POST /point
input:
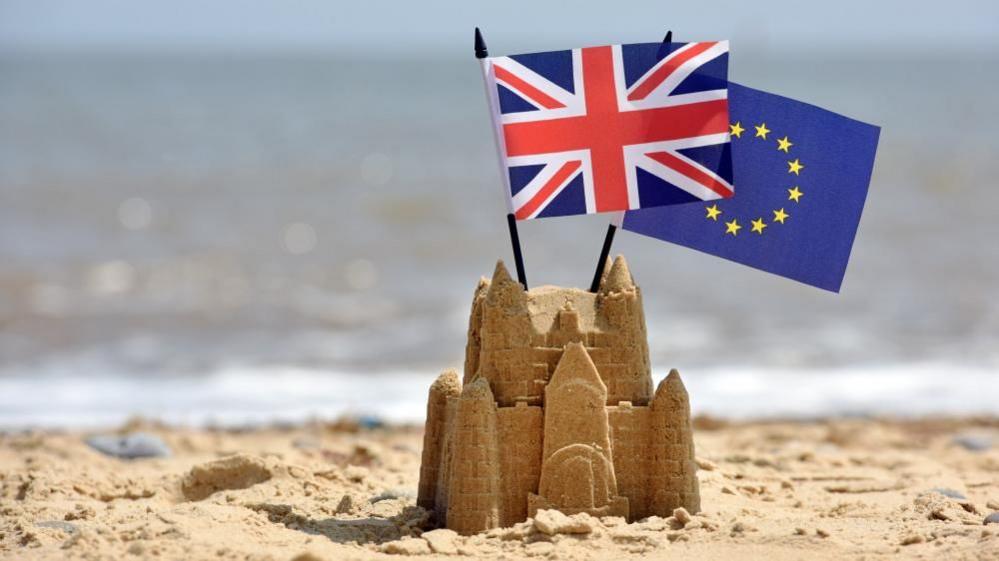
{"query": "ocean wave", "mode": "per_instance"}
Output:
(254, 395)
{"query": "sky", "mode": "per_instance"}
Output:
(383, 27)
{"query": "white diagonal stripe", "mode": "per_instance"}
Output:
(537, 80)
(660, 97)
(637, 157)
(575, 103)
(553, 163)
(684, 70)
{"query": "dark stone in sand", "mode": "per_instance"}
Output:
(973, 442)
(130, 446)
(949, 493)
(992, 519)
(59, 525)
(370, 422)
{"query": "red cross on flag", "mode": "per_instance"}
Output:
(612, 128)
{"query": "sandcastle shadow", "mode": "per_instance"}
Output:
(369, 530)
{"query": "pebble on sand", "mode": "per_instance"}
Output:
(949, 493)
(397, 493)
(67, 527)
(442, 541)
(370, 422)
(346, 504)
(130, 446)
(682, 516)
(991, 519)
(973, 442)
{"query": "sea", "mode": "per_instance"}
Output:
(243, 238)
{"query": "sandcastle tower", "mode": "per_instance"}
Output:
(556, 410)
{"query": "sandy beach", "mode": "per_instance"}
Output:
(836, 489)
(224, 226)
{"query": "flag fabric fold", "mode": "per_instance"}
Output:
(802, 174)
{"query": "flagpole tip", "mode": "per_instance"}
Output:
(481, 51)
(664, 47)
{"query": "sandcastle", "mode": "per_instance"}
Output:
(556, 411)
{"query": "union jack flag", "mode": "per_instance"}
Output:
(612, 128)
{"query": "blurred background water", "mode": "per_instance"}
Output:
(215, 233)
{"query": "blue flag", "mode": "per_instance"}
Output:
(800, 174)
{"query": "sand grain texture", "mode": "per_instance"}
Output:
(234, 472)
(774, 491)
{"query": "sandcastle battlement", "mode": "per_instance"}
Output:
(556, 410)
(516, 337)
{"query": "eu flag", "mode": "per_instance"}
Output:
(800, 174)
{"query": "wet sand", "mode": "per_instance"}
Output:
(838, 489)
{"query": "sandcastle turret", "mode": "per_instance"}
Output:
(474, 494)
(574, 405)
(446, 386)
(474, 343)
(620, 304)
(672, 475)
(618, 279)
(577, 473)
(556, 412)
(506, 292)
(505, 332)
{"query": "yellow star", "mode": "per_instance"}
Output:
(784, 144)
(732, 227)
(713, 212)
(781, 216)
(758, 225)
(736, 129)
(761, 131)
(795, 167)
(794, 194)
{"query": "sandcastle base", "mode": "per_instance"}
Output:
(617, 507)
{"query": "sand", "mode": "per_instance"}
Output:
(847, 489)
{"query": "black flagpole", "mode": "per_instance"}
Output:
(664, 48)
(604, 252)
(612, 228)
(481, 52)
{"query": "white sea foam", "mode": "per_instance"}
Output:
(235, 396)
(898, 390)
